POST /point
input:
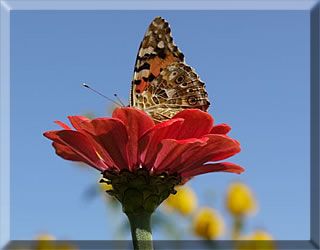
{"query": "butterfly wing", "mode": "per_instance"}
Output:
(162, 83)
(176, 88)
(157, 51)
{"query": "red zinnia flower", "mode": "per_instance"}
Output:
(130, 140)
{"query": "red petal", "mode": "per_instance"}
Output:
(81, 123)
(111, 134)
(217, 167)
(172, 152)
(222, 129)
(218, 147)
(196, 123)
(80, 144)
(150, 142)
(52, 135)
(62, 125)
(222, 147)
(137, 123)
(67, 153)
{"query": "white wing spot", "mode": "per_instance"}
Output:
(160, 44)
(148, 50)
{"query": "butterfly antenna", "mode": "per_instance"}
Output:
(116, 96)
(97, 92)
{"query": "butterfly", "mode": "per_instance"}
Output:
(163, 84)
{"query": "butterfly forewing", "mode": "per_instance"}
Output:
(157, 50)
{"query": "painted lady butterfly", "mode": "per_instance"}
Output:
(162, 83)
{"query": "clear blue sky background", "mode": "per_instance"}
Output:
(256, 69)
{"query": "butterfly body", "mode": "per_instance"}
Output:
(163, 84)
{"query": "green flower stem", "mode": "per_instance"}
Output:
(237, 227)
(141, 230)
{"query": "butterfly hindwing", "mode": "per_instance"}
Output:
(176, 88)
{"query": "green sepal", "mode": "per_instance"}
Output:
(138, 191)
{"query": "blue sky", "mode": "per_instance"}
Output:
(256, 69)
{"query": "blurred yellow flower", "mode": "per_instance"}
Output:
(47, 242)
(184, 201)
(208, 224)
(258, 240)
(105, 186)
(240, 200)
(260, 235)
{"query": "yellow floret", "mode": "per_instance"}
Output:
(184, 201)
(240, 200)
(208, 224)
